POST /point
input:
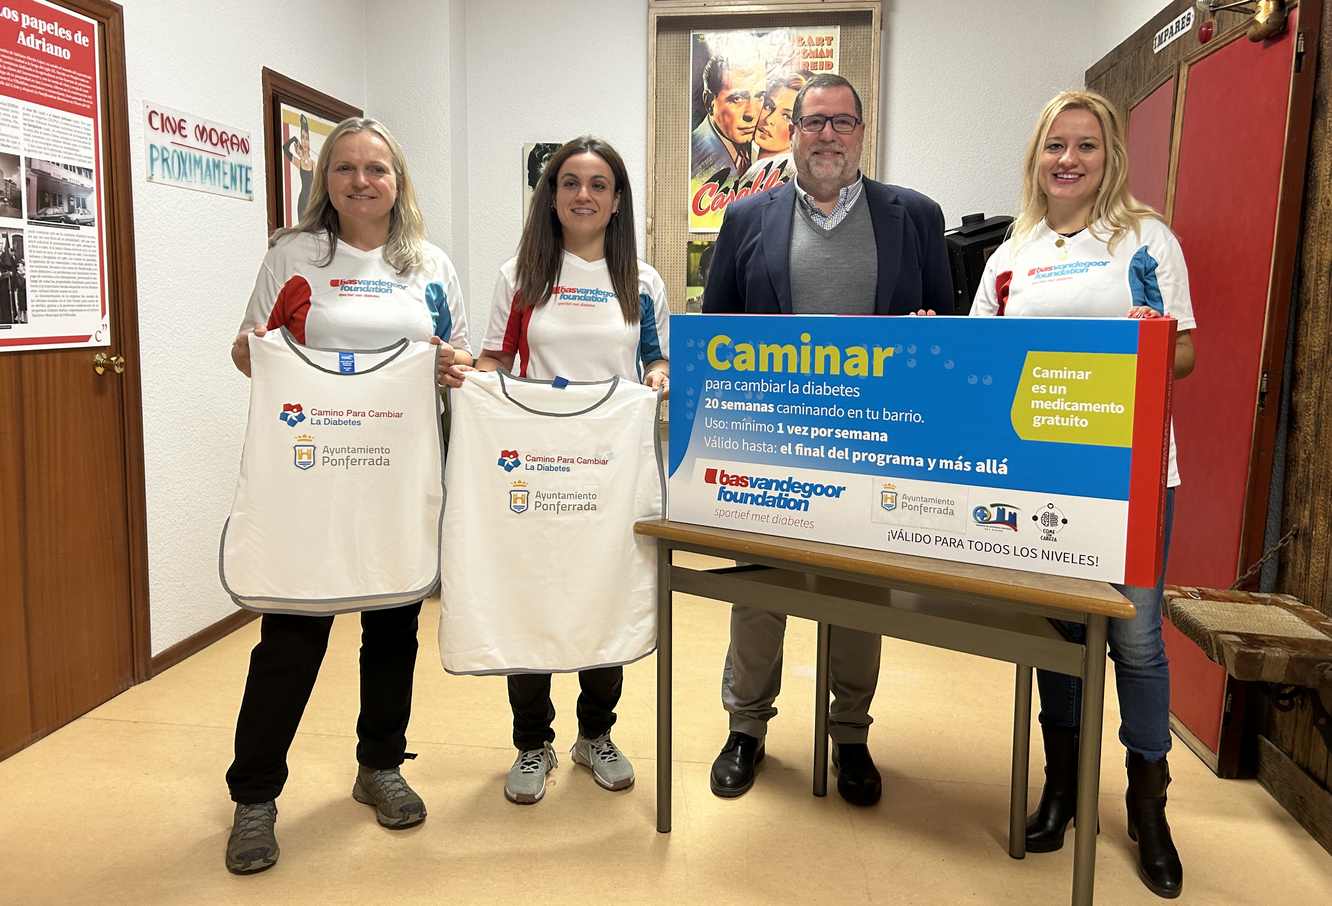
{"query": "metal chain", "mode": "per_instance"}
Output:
(1268, 555)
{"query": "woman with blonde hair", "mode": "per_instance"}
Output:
(1083, 246)
(356, 272)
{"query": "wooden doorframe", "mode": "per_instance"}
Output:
(1281, 285)
(122, 289)
(1285, 243)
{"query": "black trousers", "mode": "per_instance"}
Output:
(534, 712)
(283, 667)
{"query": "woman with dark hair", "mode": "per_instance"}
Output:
(772, 135)
(576, 303)
(297, 151)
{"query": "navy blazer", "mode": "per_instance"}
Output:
(751, 269)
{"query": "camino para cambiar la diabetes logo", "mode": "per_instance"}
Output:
(292, 414)
(508, 461)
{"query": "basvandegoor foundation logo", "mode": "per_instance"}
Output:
(788, 493)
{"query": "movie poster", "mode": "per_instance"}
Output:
(303, 134)
(742, 86)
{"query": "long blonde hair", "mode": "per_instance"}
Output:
(404, 248)
(1114, 207)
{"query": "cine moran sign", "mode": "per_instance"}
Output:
(1026, 443)
(185, 150)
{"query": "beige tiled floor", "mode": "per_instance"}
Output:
(127, 805)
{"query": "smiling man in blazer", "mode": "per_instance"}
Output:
(830, 242)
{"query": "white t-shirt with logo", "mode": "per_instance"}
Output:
(579, 333)
(357, 300)
(1046, 275)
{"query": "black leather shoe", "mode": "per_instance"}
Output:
(1059, 795)
(733, 769)
(1158, 860)
(858, 780)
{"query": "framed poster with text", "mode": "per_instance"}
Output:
(1026, 443)
(743, 84)
(52, 254)
(297, 118)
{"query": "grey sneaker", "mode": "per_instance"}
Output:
(526, 782)
(252, 845)
(610, 768)
(396, 804)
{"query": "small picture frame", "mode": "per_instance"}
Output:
(297, 118)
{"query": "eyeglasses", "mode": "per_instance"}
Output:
(842, 122)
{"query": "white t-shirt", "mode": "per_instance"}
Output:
(579, 333)
(357, 300)
(1047, 275)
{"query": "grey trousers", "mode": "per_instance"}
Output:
(752, 676)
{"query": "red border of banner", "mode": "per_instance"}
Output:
(1151, 451)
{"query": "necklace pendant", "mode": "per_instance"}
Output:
(1059, 243)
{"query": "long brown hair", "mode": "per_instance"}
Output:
(404, 248)
(541, 250)
(1115, 207)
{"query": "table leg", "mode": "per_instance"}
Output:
(1017, 806)
(663, 689)
(821, 712)
(1089, 761)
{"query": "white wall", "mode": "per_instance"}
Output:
(963, 83)
(409, 78)
(197, 258)
(1116, 20)
(543, 70)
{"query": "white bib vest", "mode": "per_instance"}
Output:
(542, 571)
(339, 501)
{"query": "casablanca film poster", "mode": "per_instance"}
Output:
(52, 254)
(303, 135)
(742, 86)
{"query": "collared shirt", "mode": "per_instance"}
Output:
(847, 197)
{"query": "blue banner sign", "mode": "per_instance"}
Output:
(1036, 444)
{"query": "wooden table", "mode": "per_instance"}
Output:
(997, 613)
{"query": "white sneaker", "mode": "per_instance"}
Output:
(610, 768)
(526, 782)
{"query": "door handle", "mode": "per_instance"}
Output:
(102, 361)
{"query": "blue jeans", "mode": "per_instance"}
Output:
(1142, 672)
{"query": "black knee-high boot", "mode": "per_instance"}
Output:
(1059, 797)
(1158, 860)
